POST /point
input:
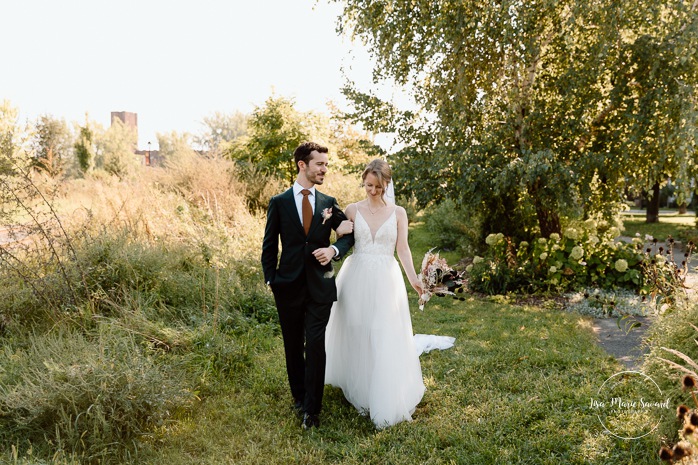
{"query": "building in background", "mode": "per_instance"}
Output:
(126, 117)
(145, 157)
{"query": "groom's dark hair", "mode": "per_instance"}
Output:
(302, 153)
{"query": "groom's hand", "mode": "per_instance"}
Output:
(324, 255)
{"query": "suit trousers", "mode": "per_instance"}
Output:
(303, 323)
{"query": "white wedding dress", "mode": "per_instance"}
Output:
(371, 353)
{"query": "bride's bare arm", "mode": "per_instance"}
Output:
(403, 250)
(347, 226)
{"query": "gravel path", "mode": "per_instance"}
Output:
(627, 346)
(623, 344)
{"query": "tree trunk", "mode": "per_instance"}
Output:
(683, 208)
(548, 220)
(653, 205)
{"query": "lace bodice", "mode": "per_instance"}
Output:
(384, 241)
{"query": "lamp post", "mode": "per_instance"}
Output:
(147, 157)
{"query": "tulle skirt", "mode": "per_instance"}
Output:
(371, 353)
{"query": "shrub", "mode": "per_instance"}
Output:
(491, 277)
(581, 257)
(688, 235)
(447, 224)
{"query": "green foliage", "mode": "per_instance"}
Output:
(411, 207)
(275, 130)
(172, 278)
(150, 360)
(665, 228)
(115, 149)
(451, 227)
(111, 331)
(84, 149)
(220, 130)
(556, 106)
(175, 149)
(664, 274)
(582, 257)
(675, 330)
(216, 359)
(354, 148)
(514, 389)
(10, 138)
(51, 144)
(259, 187)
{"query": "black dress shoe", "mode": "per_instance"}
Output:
(310, 421)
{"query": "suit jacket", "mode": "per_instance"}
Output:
(297, 261)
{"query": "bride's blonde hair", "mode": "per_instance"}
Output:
(380, 169)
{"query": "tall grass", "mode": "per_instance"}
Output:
(170, 294)
(85, 392)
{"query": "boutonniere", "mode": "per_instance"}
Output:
(326, 214)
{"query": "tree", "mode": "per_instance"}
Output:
(9, 135)
(51, 144)
(532, 111)
(354, 147)
(661, 70)
(116, 149)
(275, 130)
(220, 130)
(84, 148)
(175, 148)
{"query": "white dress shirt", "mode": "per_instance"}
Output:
(298, 197)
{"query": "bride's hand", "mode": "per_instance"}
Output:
(417, 286)
(345, 227)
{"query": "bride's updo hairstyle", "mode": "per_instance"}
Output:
(380, 169)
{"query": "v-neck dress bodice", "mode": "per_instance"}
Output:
(380, 242)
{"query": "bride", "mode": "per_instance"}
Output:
(371, 352)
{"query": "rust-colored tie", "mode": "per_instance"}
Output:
(307, 211)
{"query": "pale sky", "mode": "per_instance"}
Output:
(173, 62)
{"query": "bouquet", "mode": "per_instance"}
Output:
(437, 278)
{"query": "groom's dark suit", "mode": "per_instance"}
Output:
(304, 290)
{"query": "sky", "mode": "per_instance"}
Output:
(172, 62)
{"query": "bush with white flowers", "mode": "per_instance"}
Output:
(582, 257)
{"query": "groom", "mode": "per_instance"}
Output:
(303, 282)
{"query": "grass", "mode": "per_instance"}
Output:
(515, 388)
(675, 226)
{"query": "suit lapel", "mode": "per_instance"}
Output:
(289, 204)
(321, 202)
